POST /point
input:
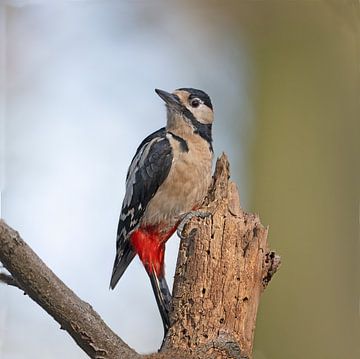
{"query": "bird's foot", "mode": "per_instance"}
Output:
(185, 218)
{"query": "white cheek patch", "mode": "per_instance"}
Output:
(203, 114)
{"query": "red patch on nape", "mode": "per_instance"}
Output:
(149, 244)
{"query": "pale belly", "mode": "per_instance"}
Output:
(184, 189)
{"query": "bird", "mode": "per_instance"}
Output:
(167, 179)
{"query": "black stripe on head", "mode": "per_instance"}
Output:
(202, 129)
(203, 96)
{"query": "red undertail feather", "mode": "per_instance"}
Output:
(149, 244)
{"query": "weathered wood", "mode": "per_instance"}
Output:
(224, 263)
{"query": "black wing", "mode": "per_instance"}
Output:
(148, 170)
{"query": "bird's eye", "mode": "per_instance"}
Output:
(195, 102)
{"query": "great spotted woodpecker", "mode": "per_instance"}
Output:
(168, 177)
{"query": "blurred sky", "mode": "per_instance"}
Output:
(77, 97)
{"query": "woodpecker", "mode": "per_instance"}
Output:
(168, 177)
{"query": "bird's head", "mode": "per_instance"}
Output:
(187, 104)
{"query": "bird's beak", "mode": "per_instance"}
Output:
(169, 98)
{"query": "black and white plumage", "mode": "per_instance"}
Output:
(168, 177)
(148, 170)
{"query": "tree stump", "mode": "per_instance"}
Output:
(224, 264)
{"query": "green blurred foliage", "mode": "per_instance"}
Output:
(305, 172)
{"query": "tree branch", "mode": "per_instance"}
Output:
(224, 264)
(9, 280)
(74, 315)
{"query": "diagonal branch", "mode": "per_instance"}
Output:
(74, 315)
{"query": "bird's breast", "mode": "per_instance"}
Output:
(186, 185)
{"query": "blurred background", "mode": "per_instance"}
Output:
(77, 83)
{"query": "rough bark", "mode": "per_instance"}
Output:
(224, 263)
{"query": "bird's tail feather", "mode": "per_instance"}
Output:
(122, 260)
(163, 297)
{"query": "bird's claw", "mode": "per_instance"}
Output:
(185, 218)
